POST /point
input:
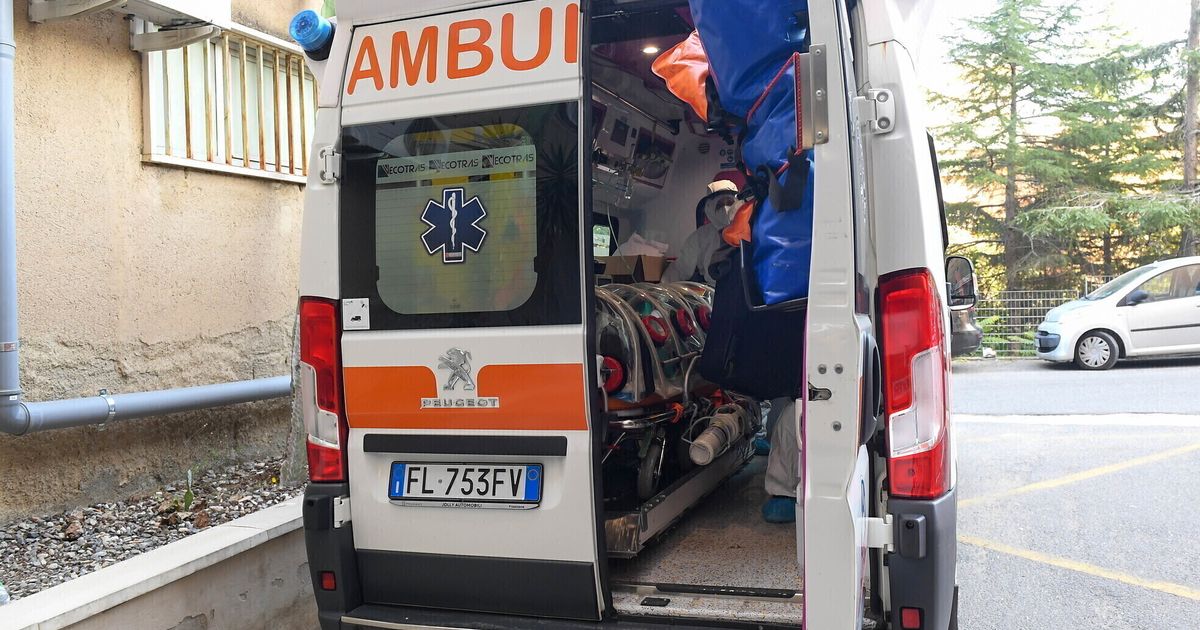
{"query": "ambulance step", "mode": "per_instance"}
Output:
(650, 601)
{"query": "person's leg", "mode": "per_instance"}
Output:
(762, 445)
(783, 466)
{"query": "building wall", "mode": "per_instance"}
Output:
(134, 276)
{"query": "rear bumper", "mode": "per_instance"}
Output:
(330, 549)
(922, 570)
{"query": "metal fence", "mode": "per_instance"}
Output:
(1009, 319)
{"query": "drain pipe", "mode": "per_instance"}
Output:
(19, 417)
(10, 379)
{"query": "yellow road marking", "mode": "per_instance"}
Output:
(1083, 567)
(1084, 475)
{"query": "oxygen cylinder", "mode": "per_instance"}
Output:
(724, 429)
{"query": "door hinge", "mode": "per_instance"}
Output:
(331, 165)
(341, 511)
(877, 110)
(880, 534)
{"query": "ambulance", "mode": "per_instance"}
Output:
(507, 427)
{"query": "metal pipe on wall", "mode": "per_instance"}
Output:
(77, 412)
(10, 379)
(18, 417)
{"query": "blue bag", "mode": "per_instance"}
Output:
(756, 73)
(781, 236)
(746, 42)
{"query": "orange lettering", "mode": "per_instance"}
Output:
(426, 51)
(454, 69)
(507, 36)
(571, 54)
(366, 52)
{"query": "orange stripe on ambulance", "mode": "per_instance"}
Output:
(470, 49)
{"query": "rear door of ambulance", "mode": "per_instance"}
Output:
(462, 305)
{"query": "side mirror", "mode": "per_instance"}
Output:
(1137, 297)
(960, 283)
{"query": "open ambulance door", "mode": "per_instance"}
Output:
(465, 286)
(841, 360)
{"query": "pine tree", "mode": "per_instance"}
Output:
(1110, 210)
(1013, 61)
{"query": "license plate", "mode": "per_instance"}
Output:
(511, 486)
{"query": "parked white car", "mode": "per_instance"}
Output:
(1152, 310)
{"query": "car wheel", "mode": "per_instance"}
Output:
(1096, 350)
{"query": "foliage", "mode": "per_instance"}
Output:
(1071, 159)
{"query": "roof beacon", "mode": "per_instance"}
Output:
(314, 34)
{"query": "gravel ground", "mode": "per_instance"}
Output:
(38, 553)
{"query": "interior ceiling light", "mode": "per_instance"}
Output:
(650, 50)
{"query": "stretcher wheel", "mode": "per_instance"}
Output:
(704, 314)
(650, 471)
(657, 329)
(613, 374)
(684, 323)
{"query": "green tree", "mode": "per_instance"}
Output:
(1012, 59)
(1113, 208)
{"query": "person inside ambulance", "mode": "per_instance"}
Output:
(700, 249)
(783, 463)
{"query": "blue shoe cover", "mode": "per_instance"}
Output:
(761, 446)
(779, 510)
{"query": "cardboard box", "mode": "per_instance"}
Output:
(634, 268)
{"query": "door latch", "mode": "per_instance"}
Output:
(877, 110)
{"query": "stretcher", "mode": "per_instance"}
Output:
(671, 437)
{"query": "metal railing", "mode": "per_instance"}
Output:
(234, 102)
(1009, 319)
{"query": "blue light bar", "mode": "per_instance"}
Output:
(311, 31)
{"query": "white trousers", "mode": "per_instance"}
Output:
(783, 462)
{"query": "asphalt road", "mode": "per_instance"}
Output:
(1078, 523)
(1042, 388)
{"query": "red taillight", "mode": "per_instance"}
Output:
(328, 581)
(321, 389)
(910, 618)
(915, 392)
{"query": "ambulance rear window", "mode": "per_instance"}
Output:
(463, 220)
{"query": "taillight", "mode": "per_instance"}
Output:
(915, 389)
(320, 389)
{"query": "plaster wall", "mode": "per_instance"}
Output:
(136, 276)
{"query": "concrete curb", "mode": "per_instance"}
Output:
(94, 593)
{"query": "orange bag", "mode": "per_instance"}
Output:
(738, 229)
(685, 69)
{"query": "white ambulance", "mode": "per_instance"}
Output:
(472, 161)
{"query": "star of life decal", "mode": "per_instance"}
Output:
(453, 225)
